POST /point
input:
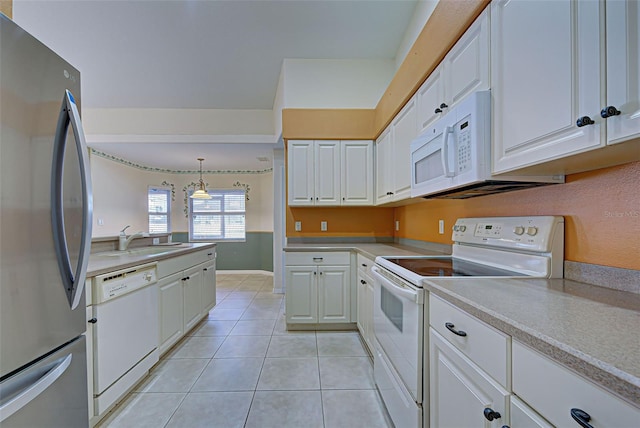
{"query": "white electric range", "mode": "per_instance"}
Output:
(493, 247)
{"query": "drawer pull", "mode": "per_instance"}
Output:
(318, 259)
(93, 320)
(581, 417)
(451, 328)
(491, 414)
(209, 254)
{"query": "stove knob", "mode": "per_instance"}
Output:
(532, 230)
(456, 228)
(518, 230)
(463, 228)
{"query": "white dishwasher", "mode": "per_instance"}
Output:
(125, 318)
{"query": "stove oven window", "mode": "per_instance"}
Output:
(392, 308)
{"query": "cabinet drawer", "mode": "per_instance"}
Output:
(317, 258)
(365, 264)
(484, 345)
(553, 390)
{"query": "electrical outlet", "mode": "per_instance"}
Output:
(156, 241)
(323, 226)
(441, 227)
(298, 226)
(397, 225)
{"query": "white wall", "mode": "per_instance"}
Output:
(319, 83)
(423, 11)
(177, 121)
(120, 197)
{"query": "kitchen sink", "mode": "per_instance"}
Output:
(143, 251)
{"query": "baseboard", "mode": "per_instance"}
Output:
(244, 272)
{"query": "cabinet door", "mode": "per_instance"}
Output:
(429, 98)
(357, 172)
(327, 173)
(383, 168)
(404, 131)
(543, 81)
(460, 391)
(208, 286)
(170, 311)
(523, 416)
(301, 294)
(623, 69)
(192, 290)
(334, 294)
(361, 316)
(300, 173)
(466, 66)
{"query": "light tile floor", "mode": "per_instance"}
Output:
(241, 368)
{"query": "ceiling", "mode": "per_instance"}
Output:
(205, 54)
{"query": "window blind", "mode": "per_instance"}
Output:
(220, 218)
(159, 203)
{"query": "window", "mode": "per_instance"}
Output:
(221, 218)
(159, 202)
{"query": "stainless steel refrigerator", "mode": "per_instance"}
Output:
(45, 236)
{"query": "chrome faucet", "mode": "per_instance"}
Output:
(123, 240)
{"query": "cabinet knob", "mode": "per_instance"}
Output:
(491, 414)
(450, 327)
(311, 198)
(389, 193)
(443, 105)
(438, 110)
(93, 320)
(204, 269)
(364, 265)
(362, 281)
(581, 417)
(583, 121)
(609, 111)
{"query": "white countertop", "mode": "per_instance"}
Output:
(100, 263)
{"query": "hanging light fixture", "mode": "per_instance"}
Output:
(201, 193)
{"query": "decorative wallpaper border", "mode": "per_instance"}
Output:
(173, 171)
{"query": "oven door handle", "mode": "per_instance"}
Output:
(414, 295)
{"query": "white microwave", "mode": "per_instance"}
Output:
(452, 158)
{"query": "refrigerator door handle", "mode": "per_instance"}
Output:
(73, 281)
(20, 395)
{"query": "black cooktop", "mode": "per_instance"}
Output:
(447, 266)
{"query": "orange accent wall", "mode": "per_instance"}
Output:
(328, 124)
(601, 210)
(341, 221)
(6, 7)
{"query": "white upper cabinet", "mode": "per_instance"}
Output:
(463, 71)
(300, 173)
(404, 131)
(393, 156)
(623, 70)
(356, 167)
(553, 105)
(330, 173)
(383, 168)
(545, 84)
(327, 173)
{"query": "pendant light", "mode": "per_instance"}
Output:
(201, 193)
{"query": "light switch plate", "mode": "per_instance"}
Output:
(397, 225)
(323, 226)
(298, 226)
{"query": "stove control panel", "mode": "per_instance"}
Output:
(533, 233)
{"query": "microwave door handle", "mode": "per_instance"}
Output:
(445, 151)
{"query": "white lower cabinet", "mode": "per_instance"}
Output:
(523, 416)
(185, 296)
(461, 394)
(192, 296)
(560, 395)
(318, 287)
(171, 311)
(364, 285)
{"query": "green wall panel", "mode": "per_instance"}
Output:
(255, 253)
